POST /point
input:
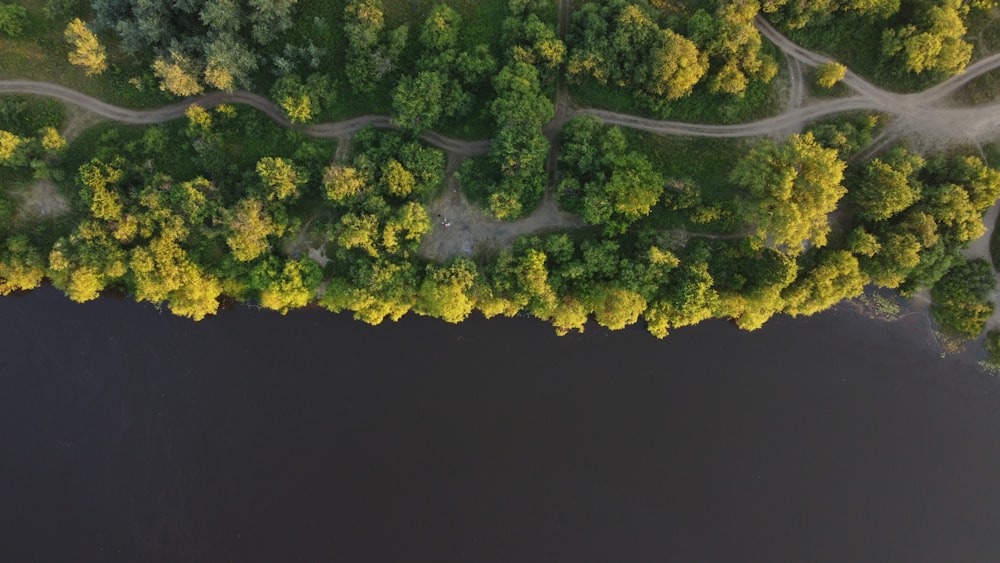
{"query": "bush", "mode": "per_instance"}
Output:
(960, 304)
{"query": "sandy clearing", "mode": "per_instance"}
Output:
(41, 200)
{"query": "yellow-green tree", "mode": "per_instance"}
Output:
(22, 266)
(52, 141)
(249, 226)
(446, 291)
(281, 178)
(342, 182)
(790, 190)
(178, 75)
(835, 277)
(830, 73)
(87, 51)
(9, 145)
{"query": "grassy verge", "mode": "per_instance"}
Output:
(702, 163)
(983, 89)
(40, 53)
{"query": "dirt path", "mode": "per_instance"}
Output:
(923, 114)
(470, 232)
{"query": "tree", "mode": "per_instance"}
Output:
(371, 54)
(675, 66)
(87, 52)
(12, 19)
(288, 285)
(836, 276)
(269, 18)
(615, 308)
(445, 292)
(397, 179)
(379, 290)
(51, 140)
(440, 29)
(960, 298)
(281, 178)
(342, 183)
(359, 231)
(828, 74)
(22, 266)
(933, 43)
(888, 186)
(249, 225)
(419, 101)
(10, 148)
(178, 75)
(303, 101)
(99, 191)
(688, 299)
(229, 62)
(791, 189)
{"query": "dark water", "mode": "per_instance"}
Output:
(127, 435)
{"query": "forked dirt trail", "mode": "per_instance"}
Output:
(924, 114)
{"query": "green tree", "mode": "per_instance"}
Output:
(12, 19)
(419, 101)
(441, 28)
(888, 186)
(371, 54)
(960, 298)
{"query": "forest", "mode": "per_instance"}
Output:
(519, 108)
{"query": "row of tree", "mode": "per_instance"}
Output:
(511, 178)
(186, 243)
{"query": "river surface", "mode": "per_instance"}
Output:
(131, 435)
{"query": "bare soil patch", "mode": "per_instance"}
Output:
(78, 120)
(41, 199)
(469, 231)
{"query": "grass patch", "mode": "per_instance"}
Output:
(40, 53)
(25, 115)
(980, 90)
(856, 41)
(693, 161)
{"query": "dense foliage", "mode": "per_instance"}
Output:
(660, 54)
(904, 43)
(226, 203)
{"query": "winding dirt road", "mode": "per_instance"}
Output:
(924, 113)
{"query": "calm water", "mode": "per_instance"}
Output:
(127, 435)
